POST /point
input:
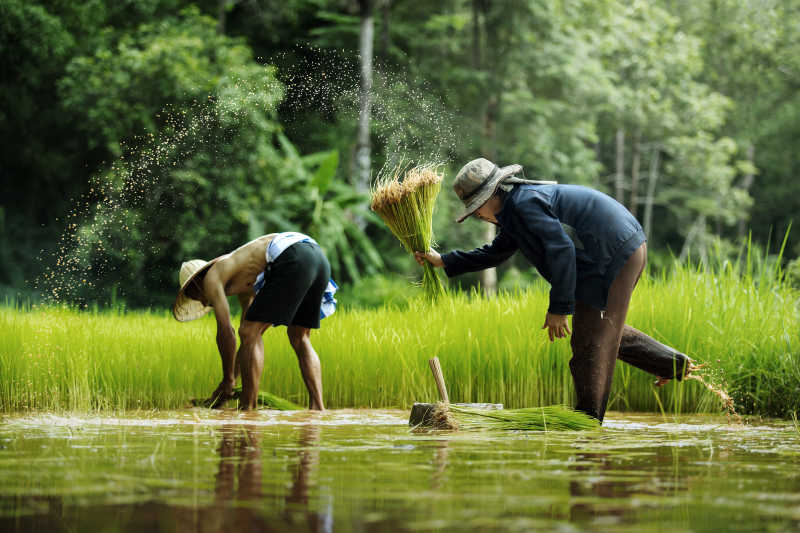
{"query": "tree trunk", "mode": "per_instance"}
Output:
(386, 39)
(362, 159)
(636, 160)
(651, 191)
(747, 182)
(476, 35)
(696, 233)
(222, 7)
(488, 276)
(619, 178)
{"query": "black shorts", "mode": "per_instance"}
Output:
(293, 287)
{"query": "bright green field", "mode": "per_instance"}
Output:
(491, 351)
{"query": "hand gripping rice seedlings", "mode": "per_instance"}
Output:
(406, 206)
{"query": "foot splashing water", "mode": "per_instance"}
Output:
(726, 399)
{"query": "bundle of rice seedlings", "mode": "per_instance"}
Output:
(549, 418)
(270, 401)
(265, 400)
(406, 206)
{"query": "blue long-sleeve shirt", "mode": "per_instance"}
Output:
(577, 238)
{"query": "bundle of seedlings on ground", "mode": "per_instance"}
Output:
(549, 418)
(270, 401)
(406, 206)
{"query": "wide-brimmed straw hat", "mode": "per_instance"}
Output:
(185, 309)
(477, 181)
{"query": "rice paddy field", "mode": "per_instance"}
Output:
(97, 431)
(746, 330)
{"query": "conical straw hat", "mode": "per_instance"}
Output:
(185, 309)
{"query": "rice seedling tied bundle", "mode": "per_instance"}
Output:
(406, 206)
(548, 418)
(265, 400)
(445, 415)
(271, 401)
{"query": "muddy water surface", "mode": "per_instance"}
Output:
(365, 471)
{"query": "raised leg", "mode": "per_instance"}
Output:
(251, 361)
(300, 339)
(646, 353)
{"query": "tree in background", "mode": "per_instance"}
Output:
(660, 103)
(40, 157)
(682, 110)
(750, 51)
(212, 171)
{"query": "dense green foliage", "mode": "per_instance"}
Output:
(139, 134)
(744, 326)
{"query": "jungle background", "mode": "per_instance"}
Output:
(137, 134)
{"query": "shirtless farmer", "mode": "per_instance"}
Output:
(279, 279)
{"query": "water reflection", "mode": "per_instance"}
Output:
(239, 461)
(279, 473)
(440, 462)
(585, 490)
(304, 479)
(613, 487)
(241, 502)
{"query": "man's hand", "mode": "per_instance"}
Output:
(432, 257)
(222, 394)
(557, 326)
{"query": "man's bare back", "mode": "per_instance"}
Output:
(237, 272)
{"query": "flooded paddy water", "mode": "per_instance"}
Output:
(352, 470)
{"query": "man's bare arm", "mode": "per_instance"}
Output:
(214, 292)
(244, 301)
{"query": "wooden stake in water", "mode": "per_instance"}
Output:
(436, 368)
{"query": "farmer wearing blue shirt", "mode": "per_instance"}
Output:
(589, 248)
(280, 279)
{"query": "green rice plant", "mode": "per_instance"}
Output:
(545, 418)
(406, 206)
(492, 350)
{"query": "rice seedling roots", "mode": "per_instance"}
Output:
(433, 416)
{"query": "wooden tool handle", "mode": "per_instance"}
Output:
(437, 375)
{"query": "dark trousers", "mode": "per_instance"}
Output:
(596, 337)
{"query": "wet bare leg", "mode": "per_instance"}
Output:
(642, 351)
(596, 338)
(300, 339)
(251, 361)
(594, 348)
